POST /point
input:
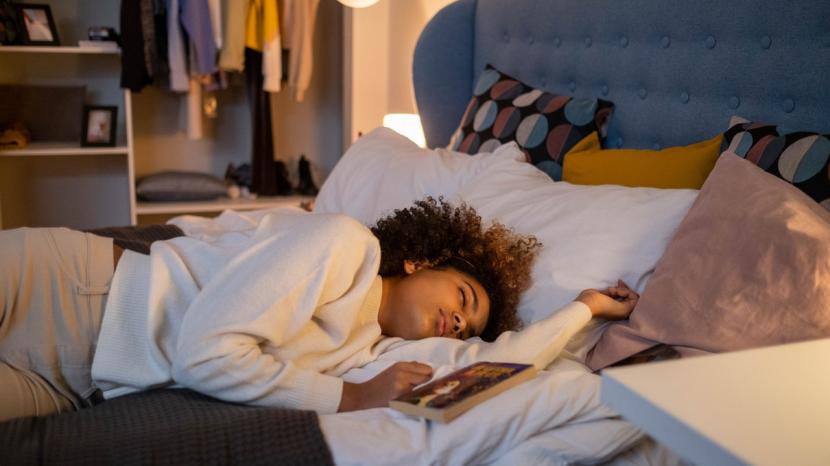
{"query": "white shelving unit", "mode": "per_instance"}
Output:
(164, 208)
(56, 49)
(39, 148)
(61, 183)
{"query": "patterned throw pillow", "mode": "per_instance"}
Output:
(545, 125)
(801, 158)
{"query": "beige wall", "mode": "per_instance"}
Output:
(378, 45)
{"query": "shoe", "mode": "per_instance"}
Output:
(306, 186)
(284, 187)
(240, 176)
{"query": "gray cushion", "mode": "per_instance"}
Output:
(179, 186)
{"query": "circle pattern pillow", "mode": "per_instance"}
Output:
(544, 125)
(800, 158)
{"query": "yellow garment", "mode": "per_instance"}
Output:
(262, 33)
(672, 167)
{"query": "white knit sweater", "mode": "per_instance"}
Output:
(266, 316)
(269, 310)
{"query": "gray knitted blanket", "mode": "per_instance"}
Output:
(176, 427)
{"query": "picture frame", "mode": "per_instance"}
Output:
(99, 126)
(36, 24)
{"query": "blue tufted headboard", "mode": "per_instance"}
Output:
(676, 69)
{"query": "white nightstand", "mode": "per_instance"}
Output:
(768, 406)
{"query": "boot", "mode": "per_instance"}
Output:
(284, 187)
(306, 186)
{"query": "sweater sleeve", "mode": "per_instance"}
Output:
(538, 343)
(266, 296)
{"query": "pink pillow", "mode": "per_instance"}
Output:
(748, 266)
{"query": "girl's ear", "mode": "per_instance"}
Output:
(411, 266)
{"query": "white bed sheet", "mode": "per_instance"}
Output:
(567, 394)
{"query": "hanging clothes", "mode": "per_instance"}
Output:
(215, 10)
(161, 71)
(176, 50)
(299, 17)
(263, 166)
(234, 21)
(262, 34)
(196, 21)
(190, 17)
(148, 30)
(134, 73)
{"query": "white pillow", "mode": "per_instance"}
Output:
(592, 235)
(383, 171)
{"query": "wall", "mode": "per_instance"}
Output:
(378, 45)
(314, 126)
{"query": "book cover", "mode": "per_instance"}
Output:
(450, 396)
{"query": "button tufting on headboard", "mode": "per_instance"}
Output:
(710, 42)
(655, 55)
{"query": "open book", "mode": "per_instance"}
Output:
(446, 398)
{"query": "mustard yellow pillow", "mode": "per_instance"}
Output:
(672, 167)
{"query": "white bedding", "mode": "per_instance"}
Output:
(511, 426)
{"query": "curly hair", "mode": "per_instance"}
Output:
(445, 236)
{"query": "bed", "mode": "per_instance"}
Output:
(676, 72)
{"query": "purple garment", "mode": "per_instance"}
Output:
(176, 49)
(189, 18)
(195, 18)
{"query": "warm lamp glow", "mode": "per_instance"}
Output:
(407, 124)
(358, 3)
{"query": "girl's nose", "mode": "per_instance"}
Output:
(459, 323)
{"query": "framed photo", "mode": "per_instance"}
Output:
(36, 24)
(98, 128)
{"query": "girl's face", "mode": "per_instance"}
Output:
(429, 302)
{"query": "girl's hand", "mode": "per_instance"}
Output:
(614, 303)
(396, 380)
